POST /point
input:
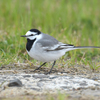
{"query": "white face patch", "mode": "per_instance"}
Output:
(31, 35)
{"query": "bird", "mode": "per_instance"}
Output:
(46, 48)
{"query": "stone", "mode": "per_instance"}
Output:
(14, 83)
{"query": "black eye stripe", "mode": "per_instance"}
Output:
(31, 35)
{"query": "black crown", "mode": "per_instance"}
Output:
(35, 30)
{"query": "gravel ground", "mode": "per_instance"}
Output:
(17, 83)
(79, 82)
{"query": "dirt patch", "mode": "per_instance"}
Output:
(76, 94)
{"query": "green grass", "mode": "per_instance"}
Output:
(70, 21)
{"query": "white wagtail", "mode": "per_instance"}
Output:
(46, 48)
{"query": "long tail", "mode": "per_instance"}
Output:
(80, 47)
(85, 47)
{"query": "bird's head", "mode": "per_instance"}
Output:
(32, 34)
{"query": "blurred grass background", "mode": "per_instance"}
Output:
(70, 21)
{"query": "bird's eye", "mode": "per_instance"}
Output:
(31, 35)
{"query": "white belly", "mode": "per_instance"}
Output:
(45, 56)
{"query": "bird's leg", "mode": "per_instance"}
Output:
(51, 68)
(39, 66)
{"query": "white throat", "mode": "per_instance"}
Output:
(38, 37)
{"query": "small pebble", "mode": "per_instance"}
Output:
(15, 82)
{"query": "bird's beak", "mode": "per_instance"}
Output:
(23, 36)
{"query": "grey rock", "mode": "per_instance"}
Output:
(53, 77)
(26, 76)
(15, 82)
(83, 84)
(44, 80)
